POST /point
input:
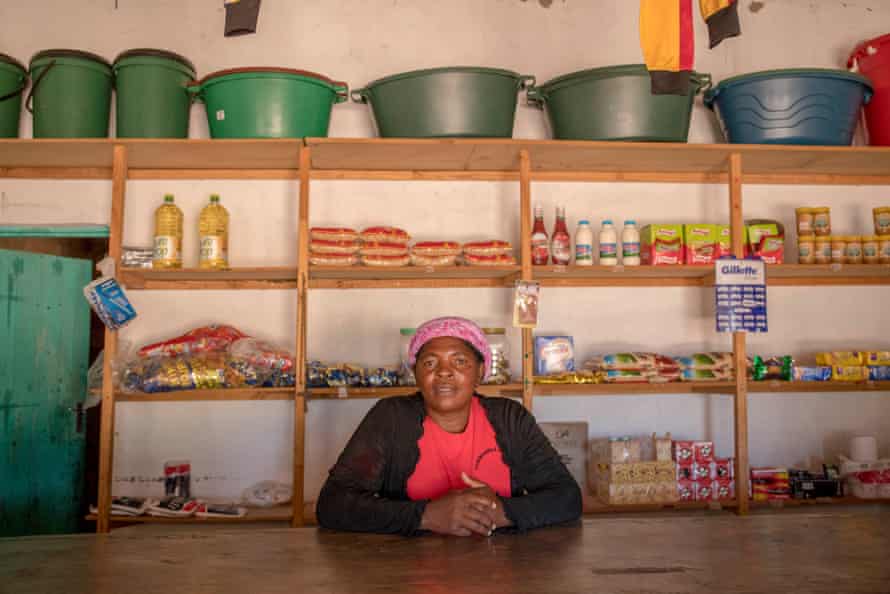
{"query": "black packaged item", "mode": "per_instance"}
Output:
(807, 485)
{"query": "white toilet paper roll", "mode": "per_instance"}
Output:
(864, 449)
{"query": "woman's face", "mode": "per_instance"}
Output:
(447, 372)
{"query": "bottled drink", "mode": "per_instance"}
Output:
(540, 245)
(561, 244)
(168, 235)
(608, 244)
(213, 234)
(630, 244)
(584, 244)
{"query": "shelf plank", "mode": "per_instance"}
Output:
(197, 278)
(797, 275)
(504, 391)
(623, 276)
(274, 514)
(369, 277)
(777, 387)
(633, 389)
(592, 506)
(209, 395)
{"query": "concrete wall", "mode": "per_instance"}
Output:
(232, 445)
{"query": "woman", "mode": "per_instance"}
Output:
(448, 460)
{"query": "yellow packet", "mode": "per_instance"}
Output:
(842, 358)
(849, 373)
(876, 358)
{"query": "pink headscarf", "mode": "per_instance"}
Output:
(453, 327)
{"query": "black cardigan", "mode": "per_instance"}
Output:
(366, 490)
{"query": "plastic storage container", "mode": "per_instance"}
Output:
(500, 356)
(615, 103)
(268, 102)
(13, 81)
(872, 58)
(461, 101)
(807, 106)
(152, 98)
(406, 373)
(71, 92)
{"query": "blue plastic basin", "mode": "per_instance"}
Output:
(800, 106)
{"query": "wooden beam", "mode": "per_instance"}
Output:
(525, 243)
(738, 342)
(257, 174)
(299, 467)
(106, 427)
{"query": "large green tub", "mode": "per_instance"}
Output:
(615, 103)
(269, 102)
(13, 80)
(445, 102)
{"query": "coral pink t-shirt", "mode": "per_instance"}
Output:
(444, 456)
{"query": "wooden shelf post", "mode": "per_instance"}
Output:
(106, 429)
(740, 400)
(297, 518)
(525, 243)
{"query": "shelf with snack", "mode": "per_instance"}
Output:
(329, 393)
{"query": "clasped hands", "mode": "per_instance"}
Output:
(474, 510)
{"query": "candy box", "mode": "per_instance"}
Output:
(723, 469)
(700, 243)
(665, 471)
(704, 490)
(661, 245)
(701, 472)
(724, 241)
(878, 373)
(554, 355)
(686, 490)
(683, 452)
(723, 490)
(685, 471)
(806, 485)
(767, 242)
(703, 452)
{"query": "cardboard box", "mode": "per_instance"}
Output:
(723, 490)
(700, 243)
(686, 490)
(570, 442)
(615, 451)
(723, 469)
(703, 452)
(662, 245)
(685, 471)
(683, 452)
(701, 472)
(766, 242)
(724, 241)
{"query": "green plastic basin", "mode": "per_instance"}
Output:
(615, 103)
(269, 102)
(13, 81)
(445, 102)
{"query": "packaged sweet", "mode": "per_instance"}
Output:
(345, 375)
(701, 243)
(423, 260)
(686, 490)
(706, 375)
(380, 248)
(333, 259)
(723, 490)
(818, 373)
(436, 248)
(723, 469)
(703, 452)
(128, 506)
(324, 246)
(849, 373)
(845, 358)
(315, 374)
(267, 494)
(878, 373)
(662, 245)
(386, 261)
(200, 340)
(554, 355)
(633, 361)
(770, 484)
(712, 360)
(876, 358)
(685, 471)
(704, 491)
(701, 472)
(262, 354)
(767, 240)
(204, 371)
(630, 376)
(683, 452)
(382, 377)
(174, 507)
(494, 260)
(219, 510)
(488, 248)
(385, 235)
(773, 368)
(573, 377)
(333, 234)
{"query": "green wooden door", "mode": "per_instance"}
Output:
(44, 350)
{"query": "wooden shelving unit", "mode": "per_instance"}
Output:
(522, 161)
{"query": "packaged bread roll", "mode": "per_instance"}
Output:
(333, 259)
(385, 235)
(333, 233)
(493, 260)
(421, 260)
(324, 246)
(488, 248)
(375, 248)
(386, 261)
(436, 248)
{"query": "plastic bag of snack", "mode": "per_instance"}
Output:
(713, 360)
(878, 373)
(345, 375)
(219, 510)
(876, 358)
(316, 374)
(333, 259)
(844, 358)
(262, 355)
(385, 235)
(849, 373)
(706, 375)
(333, 234)
(380, 248)
(632, 361)
(436, 248)
(773, 368)
(200, 340)
(818, 373)
(386, 261)
(382, 377)
(494, 247)
(267, 494)
(423, 260)
(324, 246)
(496, 260)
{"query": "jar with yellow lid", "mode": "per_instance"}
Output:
(822, 220)
(853, 251)
(806, 249)
(822, 249)
(884, 249)
(804, 221)
(871, 249)
(838, 249)
(882, 220)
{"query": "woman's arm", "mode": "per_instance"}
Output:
(350, 498)
(550, 494)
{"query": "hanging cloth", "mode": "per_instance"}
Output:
(668, 39)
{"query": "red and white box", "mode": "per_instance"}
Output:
(686, 490)
(703, 452)
(683, 452)
(723, 469)
(702, 472)
(686, 471)
(704, 490)
(723, 490)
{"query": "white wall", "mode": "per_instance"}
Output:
(233, 445)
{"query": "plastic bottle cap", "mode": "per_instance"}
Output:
(168, 197)
(630, 222)
(583, 222)
(407, 331)
(607, 222)
(214, 197)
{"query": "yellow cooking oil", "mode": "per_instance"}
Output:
(213, 231)
(168, 235)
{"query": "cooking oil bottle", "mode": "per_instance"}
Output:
(213, 231)
(168, 235)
